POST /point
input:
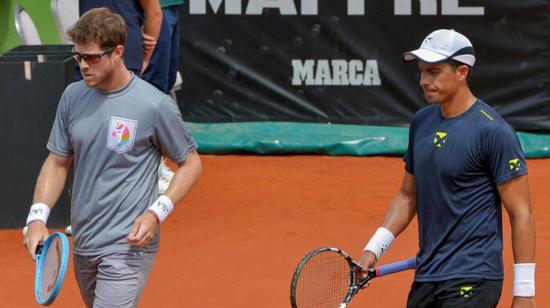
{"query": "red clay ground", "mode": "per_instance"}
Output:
(236, 239)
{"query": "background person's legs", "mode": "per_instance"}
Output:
(156, 72)
(172, 17)
(162, 71)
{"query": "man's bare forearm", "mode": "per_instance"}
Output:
(402, 208)
(523, 237)
(184, 178)
(51, 180)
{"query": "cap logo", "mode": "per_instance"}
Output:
(429, 41)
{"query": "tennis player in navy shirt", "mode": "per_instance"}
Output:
(463, 161)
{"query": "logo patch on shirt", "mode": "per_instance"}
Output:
(514, 164)
(122, 133)
(440, 139)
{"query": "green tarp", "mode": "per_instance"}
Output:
(329, 139)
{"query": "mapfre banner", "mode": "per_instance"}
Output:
(339, 61)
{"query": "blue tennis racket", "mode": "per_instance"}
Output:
(52, 258)
(329, 278)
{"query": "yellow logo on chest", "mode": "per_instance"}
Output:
(440, 139)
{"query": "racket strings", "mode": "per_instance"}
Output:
(50, 268)
(324, 281)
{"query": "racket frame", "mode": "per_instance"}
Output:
(41, 254)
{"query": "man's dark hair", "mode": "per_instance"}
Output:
(456, 64)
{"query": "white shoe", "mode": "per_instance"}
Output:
(164, 171)
(69, 230)
(165, 176)
(164, 182)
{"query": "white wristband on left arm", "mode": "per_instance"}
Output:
(524, 280)
(162, 207)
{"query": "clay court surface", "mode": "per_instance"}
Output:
(235, 241)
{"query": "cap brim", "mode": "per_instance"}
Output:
(424, 55)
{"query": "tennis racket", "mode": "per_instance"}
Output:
(329, 278)
(52, 258)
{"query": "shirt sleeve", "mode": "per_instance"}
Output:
(409, 156)
(505, 157)
(59, 142)
(171, 137)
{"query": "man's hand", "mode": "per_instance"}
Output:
(367, 260)
(524, 302)
(149, 43)
(143, 230)
(36, 233)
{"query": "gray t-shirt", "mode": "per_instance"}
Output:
(117, 139)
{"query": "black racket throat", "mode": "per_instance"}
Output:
(39, 249)
(360, 280)
(363, 278)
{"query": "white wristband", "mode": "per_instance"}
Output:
(380, 242)
(38, 211)
(162, 207)
(524, 280)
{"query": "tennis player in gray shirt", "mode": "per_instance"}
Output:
(115, 127)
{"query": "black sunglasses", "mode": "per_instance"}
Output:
(90, 58)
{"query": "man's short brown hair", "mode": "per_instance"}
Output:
(100, 26)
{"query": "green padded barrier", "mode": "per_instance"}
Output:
(310, 138)
(535, 145)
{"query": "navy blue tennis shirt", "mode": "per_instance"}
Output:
(457, 164)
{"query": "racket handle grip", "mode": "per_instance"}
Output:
(396, 267)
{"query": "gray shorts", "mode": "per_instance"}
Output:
(115, 279)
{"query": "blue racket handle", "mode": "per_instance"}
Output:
(395, 267)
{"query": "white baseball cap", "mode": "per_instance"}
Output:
(441, 45)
